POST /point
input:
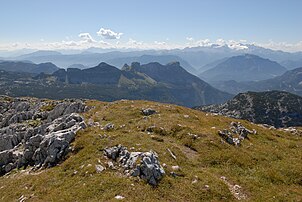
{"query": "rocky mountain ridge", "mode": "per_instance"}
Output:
(276, 108)
(151, 81)
(28, 67)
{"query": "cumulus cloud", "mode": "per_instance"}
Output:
(15, 45)
(86, 37)
(85, 41)
(237, 45)
(161, 43)
(204, 42)
(284, 46)
(109, 34)
(220, 42)
(133, 42)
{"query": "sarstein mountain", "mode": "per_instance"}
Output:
(166, 83)
(24, 66)
(243, 68)
(280, 109)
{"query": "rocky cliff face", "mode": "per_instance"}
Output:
(37, 132)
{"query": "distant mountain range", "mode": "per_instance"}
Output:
(196, 57)
(280, 109)
(144, 59)
(292, 64)
(153, 81)
(290, 81)
(243, 68)
(228, 69)
(25, 66)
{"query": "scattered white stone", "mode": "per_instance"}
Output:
(110, 165)
(119, 197)
(99, 168)
(194, 181)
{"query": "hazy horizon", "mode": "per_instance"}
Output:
(57, 25)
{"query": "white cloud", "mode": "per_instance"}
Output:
(135, 43)
(284, 46)
(220, 42)
(85, 41)
(237, 45)
(86, 37)
(161, 43)
(104, 43)
(109, 34)
(204, 42)
(15, 45)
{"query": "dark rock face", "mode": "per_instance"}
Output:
(102, 74)
(276, 108)
(148, 168)
(36, 132)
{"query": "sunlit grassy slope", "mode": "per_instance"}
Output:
(268, 165)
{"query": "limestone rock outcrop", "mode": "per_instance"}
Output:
(137, 164)
(235, 134)
(37, 132)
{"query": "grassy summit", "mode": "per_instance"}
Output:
(267, 166)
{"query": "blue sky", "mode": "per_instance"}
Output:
(146, 21)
